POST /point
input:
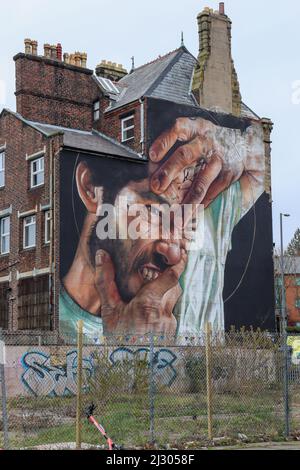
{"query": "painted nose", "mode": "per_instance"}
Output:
(170, 251)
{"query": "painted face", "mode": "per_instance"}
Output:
(139, 261)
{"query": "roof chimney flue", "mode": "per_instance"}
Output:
(59, 51)
(222, 8)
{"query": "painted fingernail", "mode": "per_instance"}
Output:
(100, 257)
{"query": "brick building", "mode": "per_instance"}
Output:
(61, 105)
(292, 289)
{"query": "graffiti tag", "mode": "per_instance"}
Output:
(42, 378)
(163, 360)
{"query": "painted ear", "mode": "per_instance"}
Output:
(90, 194)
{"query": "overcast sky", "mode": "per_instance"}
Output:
(266, 39)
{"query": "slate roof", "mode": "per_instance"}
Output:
(168, 77)
(93, 141)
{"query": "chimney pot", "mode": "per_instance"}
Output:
(47, 50)
(34, 46)
(72, 59)
(222, 8)
(77, 58)
(27, 43)
(59, 51)
(53, 52)
(83, 59)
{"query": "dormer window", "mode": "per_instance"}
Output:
(96, 110)
(127, 127)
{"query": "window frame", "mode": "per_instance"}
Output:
(47, 221)
(34, 173)
(96, 110)
(2, 170)
(25, 225)
(125, 129)
(6, 234)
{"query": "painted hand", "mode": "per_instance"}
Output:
(214, 168)
(151, 310)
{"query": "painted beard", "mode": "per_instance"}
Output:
(147, 267)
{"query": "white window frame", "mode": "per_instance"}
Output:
(47, 224)
(127, 128)
(2, 167)
(5, 234)
(96, 110)
(26, 224)
(41, 169)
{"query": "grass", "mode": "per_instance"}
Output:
(178, 418)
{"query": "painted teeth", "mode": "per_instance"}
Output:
(149, 274)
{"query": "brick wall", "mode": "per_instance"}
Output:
(110, 124)
(20, 140)
(53, 92)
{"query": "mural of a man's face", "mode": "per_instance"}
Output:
(138, 261)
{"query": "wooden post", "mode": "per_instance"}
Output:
(208, 335)
(79, 383)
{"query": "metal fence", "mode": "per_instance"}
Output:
(150, 390)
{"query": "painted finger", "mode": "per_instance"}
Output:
(215, 189)
(203, 180)
(184, 129)
(169, 278)
(105, 280)
(182, 158)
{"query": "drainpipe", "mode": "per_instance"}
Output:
(142, 125)
(51, 274)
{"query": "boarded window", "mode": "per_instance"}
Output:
(4, 305)
(33, 304)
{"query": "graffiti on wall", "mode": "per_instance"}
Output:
(42, 377)
(163, 362)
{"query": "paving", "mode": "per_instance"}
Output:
(265, 446)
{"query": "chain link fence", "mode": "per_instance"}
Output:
(150, 390)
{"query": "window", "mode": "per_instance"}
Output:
(37, 172)
(298, 282)
(47, 226)
(2, 169)
(297, 303)
(33, 304)
(5, 235)
(127, 128)
(29, 235)
(4, 305)
(96, 110)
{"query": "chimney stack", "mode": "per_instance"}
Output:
(53, 91)
(111, 70)
(215, 83)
